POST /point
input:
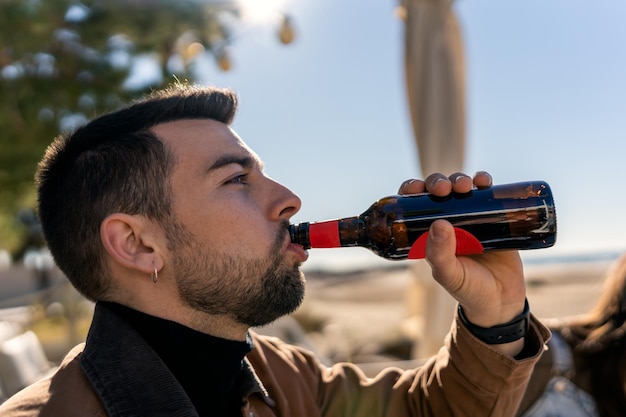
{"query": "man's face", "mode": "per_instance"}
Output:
(235, 257)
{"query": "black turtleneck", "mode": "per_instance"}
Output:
(207, 367)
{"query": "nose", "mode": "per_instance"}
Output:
(285, 203)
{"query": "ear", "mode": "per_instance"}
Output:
(131, 241)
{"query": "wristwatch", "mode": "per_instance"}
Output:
(502, 333)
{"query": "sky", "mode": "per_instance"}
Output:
(545, 100)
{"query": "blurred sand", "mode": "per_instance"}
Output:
(368, 317)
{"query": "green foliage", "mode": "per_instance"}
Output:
(62, 62)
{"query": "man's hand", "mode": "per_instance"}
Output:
(490, 286)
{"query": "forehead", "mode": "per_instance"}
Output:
(201, 138)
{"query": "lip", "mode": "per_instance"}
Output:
(297, 250)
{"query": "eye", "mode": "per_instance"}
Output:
(238, 180)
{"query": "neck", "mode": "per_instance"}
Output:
(222, 326)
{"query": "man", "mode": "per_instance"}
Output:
(163, 216)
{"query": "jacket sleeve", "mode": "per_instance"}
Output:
(465, 378)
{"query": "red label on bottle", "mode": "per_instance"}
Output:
(324, 234)
(466, 244)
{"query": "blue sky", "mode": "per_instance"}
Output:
(546, 99)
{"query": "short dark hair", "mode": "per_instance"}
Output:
(115, 163)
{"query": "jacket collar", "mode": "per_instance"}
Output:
(130, 378)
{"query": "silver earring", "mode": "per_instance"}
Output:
(155, 274)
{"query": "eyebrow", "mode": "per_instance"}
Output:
(244, 161)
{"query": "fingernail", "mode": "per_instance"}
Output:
(438, 180)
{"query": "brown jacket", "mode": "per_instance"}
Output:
(466, 378)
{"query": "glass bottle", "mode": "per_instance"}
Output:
(508, 216)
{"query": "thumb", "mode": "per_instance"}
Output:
(441, 255)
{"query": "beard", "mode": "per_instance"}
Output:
(255, 292)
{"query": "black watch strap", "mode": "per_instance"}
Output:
(502, 333)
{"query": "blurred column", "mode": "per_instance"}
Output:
(434, 70)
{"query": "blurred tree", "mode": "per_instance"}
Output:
(63, 61)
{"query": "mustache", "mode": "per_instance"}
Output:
(283, 231)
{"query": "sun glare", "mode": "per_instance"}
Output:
(264, 11)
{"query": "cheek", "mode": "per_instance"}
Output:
(234, 230)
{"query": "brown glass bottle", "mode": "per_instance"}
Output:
(508, 216)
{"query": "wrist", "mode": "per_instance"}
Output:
(510, 331)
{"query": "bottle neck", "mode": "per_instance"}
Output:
(324, 234)
(327, 234)
(299, 234)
